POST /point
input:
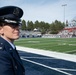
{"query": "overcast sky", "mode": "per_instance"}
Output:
(44, 10)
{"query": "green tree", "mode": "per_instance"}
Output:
(42, 26)
(23, 27)
(36, 24)
(30, 25)
(56, 26)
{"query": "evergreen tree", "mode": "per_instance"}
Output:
(30, 25)
(23, 27)
(56, 26)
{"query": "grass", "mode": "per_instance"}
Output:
(66, 45)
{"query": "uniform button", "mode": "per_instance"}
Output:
(15, 67)
(10, 49)
(1, 43)
(23, 73)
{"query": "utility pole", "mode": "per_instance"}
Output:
(64, 12)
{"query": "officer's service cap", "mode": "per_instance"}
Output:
(11, 14)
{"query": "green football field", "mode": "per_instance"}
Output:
(66, 45)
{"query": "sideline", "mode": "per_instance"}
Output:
(56, 69)
(68, 57)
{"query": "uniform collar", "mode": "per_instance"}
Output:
(12, 45)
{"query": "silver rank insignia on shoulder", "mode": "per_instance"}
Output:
(0, 47)
(16, 12)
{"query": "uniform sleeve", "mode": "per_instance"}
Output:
(5, 64)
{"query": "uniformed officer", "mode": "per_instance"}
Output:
(10, 62)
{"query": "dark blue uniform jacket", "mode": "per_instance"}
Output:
(10, 62)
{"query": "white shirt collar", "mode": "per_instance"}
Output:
(13, 46)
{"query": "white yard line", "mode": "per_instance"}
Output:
(66, 69)
(46, 66)
(70, 51)
(38, 57)
(68, 57)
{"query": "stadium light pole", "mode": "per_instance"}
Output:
(64, 5)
